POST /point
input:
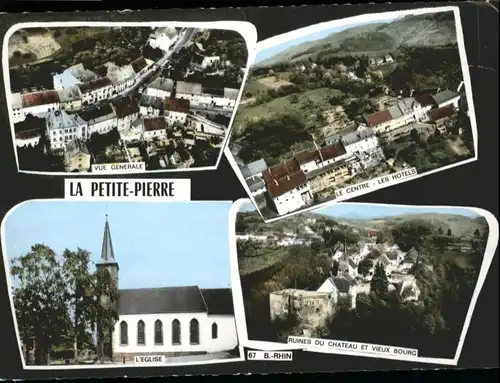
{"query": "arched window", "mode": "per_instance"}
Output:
(158, 332)
(176, 332)
(194, 332)
(215, 331)
(141, 330)
(123, 333)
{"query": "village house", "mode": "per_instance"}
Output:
(256, 185)
(340, 287)
(311, 160)
(205, 127)
(29, 131)
(35, 103)
(162, 38)
(76, 156)
(252, 237)
(360, 139)
(254, 169)
(176, 110)
(101, 119)
(140, 66)
(127, 111)
(446, 98)
(154, 128)
(72, 76)
(161, 87)
(404, 112)
(192, 92)
(230, 97)
(409, 260)
(440, 117)
(150, 105)
(122, 78)
(287, 187)
(328, 176)
(347, 266)
(389, 59)
(70, 98)
(134, 133)
(62, 127)
(395, 256)
(96, 90)
(209, 61)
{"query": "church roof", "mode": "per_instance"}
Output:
(162, 300)
(218, 301)
(107, 252)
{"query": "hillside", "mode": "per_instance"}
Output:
(460, 225)
(432, 30)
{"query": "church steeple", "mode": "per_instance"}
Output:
(107, 252)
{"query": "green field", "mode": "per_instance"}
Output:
(249, 265)
(309, 102)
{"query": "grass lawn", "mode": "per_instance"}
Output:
(250, 265)
(309, 103)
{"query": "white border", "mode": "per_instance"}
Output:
(6, 261)
(245, 29)
(489, 254)
(359, 19)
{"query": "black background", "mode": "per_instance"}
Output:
(474, 184)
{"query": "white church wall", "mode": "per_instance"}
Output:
(206, 343)
(227, 337)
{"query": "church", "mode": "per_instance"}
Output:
(168, 321)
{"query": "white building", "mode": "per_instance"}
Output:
(62, 127)
(76, 156)
(154, 128)
(205, 127)
(230, 97)
(340, 287)
(389, 59)
(70, 98)
(162, 38)
(176, 110)
(96, 90)
(406, 111)
(288, 190)
(150, 105)
(251, 237)
(122, 78)
(446, 98)
(254, 169)
(36, 103)
(192, 92)
(100, 119)
(362, 139)
(166, 320)
(134, 134)
(161, 87)
(127, 111)
(72, 76)
(209, 61)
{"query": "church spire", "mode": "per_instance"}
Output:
(107, 253)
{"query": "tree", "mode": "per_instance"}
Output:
(105, 309)
(79, 283)
(335, 268)
(379, 283)
(364, 266)
(440, 231)
(40, 299)
(449, 233)
(477, 234)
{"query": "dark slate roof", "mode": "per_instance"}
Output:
(218, 301)
(445, 95)
(254, 168)
(342, 284)
(163, 300)
(107, 252)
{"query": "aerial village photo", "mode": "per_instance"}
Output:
(401, 276)
(327, 111)
(90, 291)
(150, 98)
